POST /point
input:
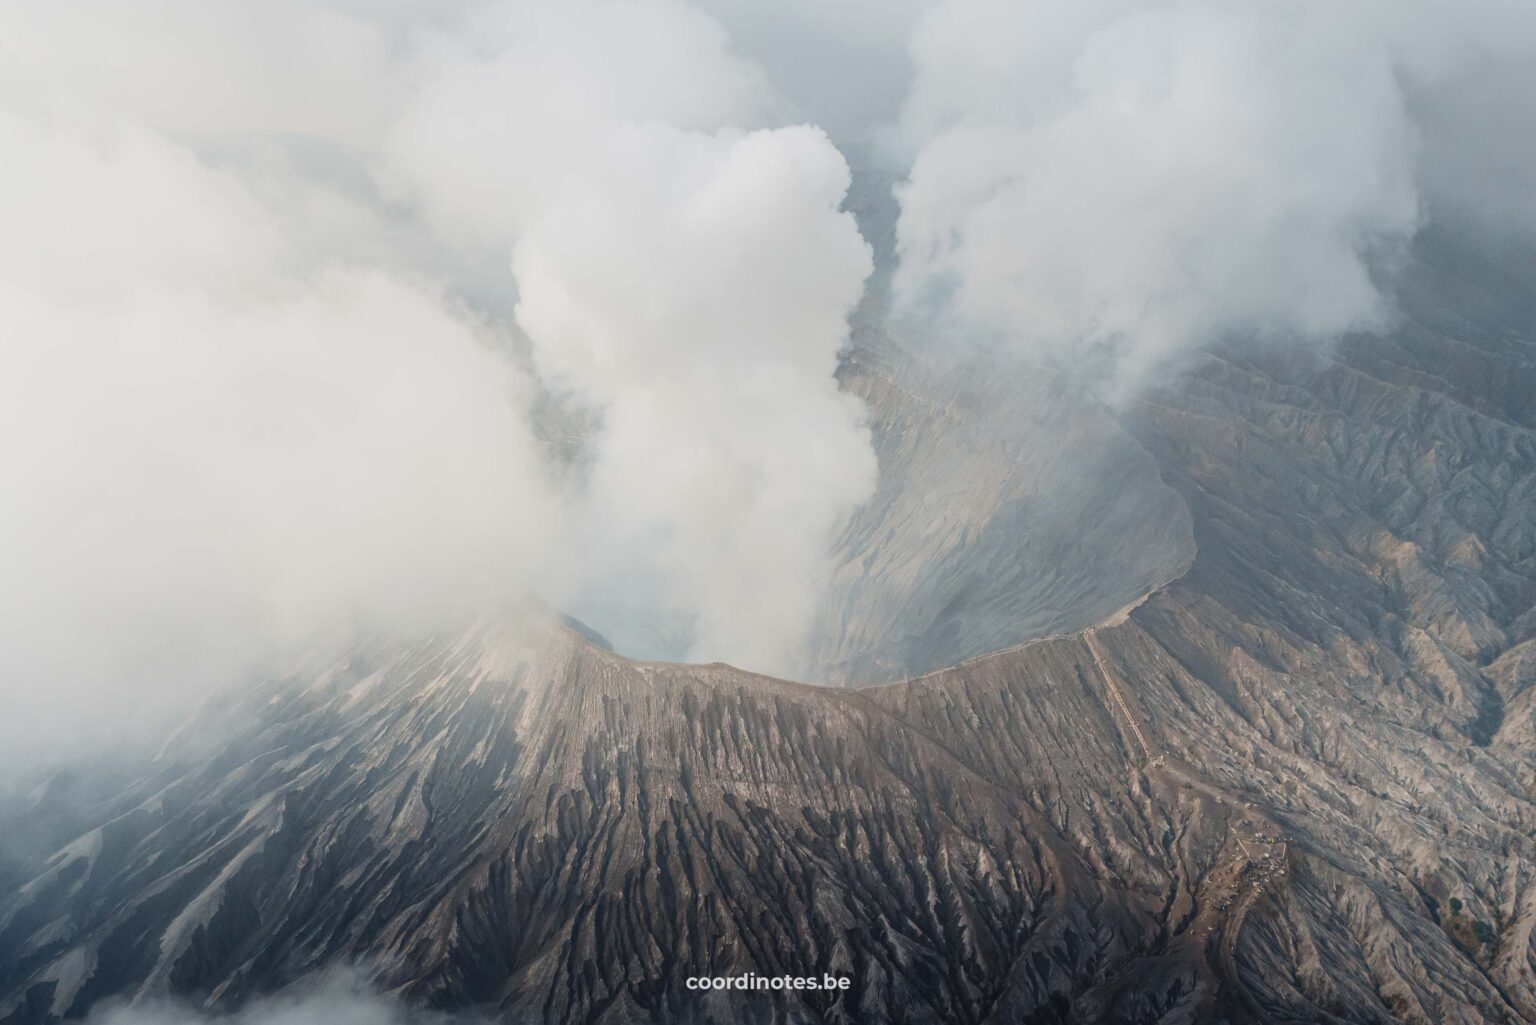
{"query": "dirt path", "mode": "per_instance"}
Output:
(1114, 693)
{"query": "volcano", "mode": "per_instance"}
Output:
(1213, 705)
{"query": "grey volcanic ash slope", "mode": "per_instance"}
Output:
(1011, 510)
(1293, 785)
(1010, 505)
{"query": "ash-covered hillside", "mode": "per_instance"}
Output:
(1292, 784)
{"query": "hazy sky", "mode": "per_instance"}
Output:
(285, 286)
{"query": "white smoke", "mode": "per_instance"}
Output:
(247, 400)
(695, 290)
(521, 94)
(687, 284)
(206, 454)
(1142, 177)
(199, 68)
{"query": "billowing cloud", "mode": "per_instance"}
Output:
(1139, 177)
(694, 290)
(245, 401)
(208, 451)
(522, 94)
(195, 68)
(683, 282)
